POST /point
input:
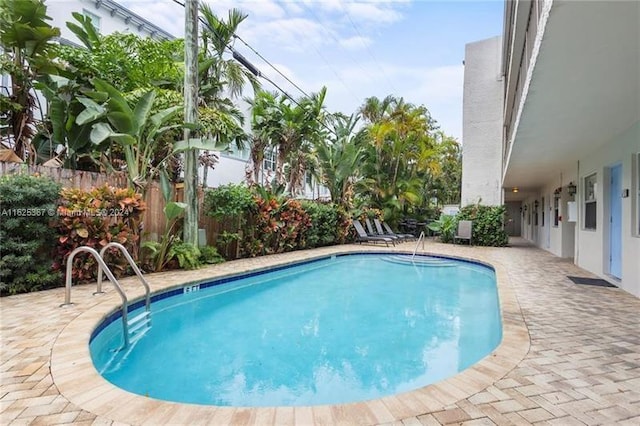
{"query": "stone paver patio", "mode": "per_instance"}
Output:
(570, 356)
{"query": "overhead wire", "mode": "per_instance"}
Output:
(323, 57)
(317, 19)
(255, 71)
(375, 60)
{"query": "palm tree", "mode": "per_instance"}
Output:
(218, 74)
(222, 79)
(398, 155)
(264, 110)
(290, 129)
(311, 129)
(339, 157)
(374, 110)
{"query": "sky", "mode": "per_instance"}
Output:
(407, 48)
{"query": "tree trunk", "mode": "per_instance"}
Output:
(191, 116)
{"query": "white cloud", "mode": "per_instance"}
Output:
(294, 34)
(437, 88)
(373, 12)
(256, 9)
(356, 42)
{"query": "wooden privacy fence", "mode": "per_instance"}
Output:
(154, 220)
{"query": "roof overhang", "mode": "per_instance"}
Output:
(584, 89)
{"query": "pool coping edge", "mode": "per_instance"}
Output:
(77, 379)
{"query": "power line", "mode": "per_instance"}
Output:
(355, 27)
(327, 62)
(255, 71)
(317, 19)
(270, 64)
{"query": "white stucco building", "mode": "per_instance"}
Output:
(482, 122)
(107, 17)
(570, 130)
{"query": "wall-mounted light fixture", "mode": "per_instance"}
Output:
(571, 189)
(536, 203)
(526, 207)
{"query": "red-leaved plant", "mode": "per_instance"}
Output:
(95, 218)
(277, 227)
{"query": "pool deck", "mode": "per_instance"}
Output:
(570, 356)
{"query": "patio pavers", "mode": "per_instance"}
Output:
(582, 365)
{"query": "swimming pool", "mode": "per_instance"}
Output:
(296, 336)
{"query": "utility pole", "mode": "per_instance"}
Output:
(191, 116)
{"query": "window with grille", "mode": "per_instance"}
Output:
(590, 201)
(269, 160)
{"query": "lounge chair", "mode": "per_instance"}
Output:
(377, 233)
(389, 231)
(363, 237)
(369, 229)
(465, 231)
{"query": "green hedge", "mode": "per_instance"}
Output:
(488, 224)
(325, 224)
(27, 206)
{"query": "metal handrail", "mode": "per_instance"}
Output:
(420, 238)
(133, 265)
(123, 296)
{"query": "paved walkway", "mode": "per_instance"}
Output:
(582, 365)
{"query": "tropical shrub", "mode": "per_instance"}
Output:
(187, 255)
(488, 224)
(95, 218)
(327, 224)
(276, 227)
(210, 255)
(27, 206)
(445, 227)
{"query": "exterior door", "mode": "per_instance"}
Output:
(512, 225)
(615, 222)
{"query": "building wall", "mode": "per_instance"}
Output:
(557, 239)
(111, 21)
(593, 245)
(590, 248)
(482, 123)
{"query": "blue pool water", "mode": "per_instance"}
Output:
(342, 329)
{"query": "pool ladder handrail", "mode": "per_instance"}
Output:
(102, 266)
(420, 238)
(133, 265)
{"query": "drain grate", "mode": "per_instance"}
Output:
(590, 281)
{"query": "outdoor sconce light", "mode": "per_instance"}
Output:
(571, 189)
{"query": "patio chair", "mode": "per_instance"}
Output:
(465, 231)
(369, 228)
(389, 231)
(363, 237)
